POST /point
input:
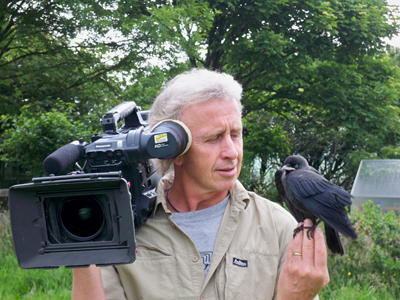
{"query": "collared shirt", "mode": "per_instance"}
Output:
(249, 253)
(202, 227)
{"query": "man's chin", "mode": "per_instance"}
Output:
(228, 185)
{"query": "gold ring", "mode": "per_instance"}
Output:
(296, 254)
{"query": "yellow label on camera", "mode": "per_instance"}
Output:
(160, 138)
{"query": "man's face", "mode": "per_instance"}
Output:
(214, 159)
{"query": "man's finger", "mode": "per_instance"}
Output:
(320, 250)
(297, 245)
(308, 244)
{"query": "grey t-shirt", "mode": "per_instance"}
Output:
(202, 227)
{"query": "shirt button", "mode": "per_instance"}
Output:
(202, 297)
(195, 258)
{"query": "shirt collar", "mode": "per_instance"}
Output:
(239, 196)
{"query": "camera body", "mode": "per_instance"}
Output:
(90, 217)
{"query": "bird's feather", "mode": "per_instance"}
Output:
(309, 195)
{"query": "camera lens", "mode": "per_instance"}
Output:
(82, 217)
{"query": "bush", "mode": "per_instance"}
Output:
(372, 261)
(34, 134)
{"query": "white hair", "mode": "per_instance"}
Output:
(188, 88)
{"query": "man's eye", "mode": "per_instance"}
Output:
(214, 138)
(236, 136)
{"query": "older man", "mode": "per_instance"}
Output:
(209, 238)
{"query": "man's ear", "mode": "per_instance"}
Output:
(178, 161)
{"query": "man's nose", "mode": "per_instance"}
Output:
(229, 148)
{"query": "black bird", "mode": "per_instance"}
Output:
(309, 195)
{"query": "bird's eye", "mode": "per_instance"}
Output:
(296, 166)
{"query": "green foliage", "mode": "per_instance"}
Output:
(72, 50)
(94, 54)
(35, 133)
(17, 283)
(318, 79)
(264, 137)
(372, 261)
(265, 141)
(183, 26)
(320, 71)
(263, 185)
(147, 83)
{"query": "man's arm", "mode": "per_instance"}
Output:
(304, 276)
(87, 284)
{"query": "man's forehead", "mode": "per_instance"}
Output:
(210, 104)
(198, 116)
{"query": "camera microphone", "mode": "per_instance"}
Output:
(63, 158)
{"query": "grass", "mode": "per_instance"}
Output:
(17, 283)
(355, 291)
(369, 270)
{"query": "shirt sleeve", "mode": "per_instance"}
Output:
(112, 284)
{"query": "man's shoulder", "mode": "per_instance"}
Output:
(258, 204)
(240, 194)
(276, 209)
(262, 219)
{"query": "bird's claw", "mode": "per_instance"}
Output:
(310, 232)
(300, 228)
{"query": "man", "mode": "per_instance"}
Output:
(208, 237)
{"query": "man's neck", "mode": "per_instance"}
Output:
(185, 199)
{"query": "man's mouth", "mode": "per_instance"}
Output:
(230, 171)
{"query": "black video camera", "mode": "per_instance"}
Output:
(80, 219)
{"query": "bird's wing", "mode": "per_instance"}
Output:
(297, 214)
(278, 182)
(305, 184)
(322, 198)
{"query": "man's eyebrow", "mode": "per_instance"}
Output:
(238, 128)
(210, 134)
(216, 132)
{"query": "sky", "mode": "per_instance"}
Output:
(395, 41)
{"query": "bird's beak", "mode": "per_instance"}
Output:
(286, 168)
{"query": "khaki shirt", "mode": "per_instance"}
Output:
(248, 255)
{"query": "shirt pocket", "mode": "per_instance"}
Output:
(250, 275)
(151, 276)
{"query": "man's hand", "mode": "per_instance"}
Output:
(305, 272)
(87, 284)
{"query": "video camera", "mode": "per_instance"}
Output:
(80, 219)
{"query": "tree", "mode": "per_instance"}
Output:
(316, 71)
(316, 75)
(58, 52)
(69, 50)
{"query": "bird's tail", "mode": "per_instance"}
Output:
(333, 240)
